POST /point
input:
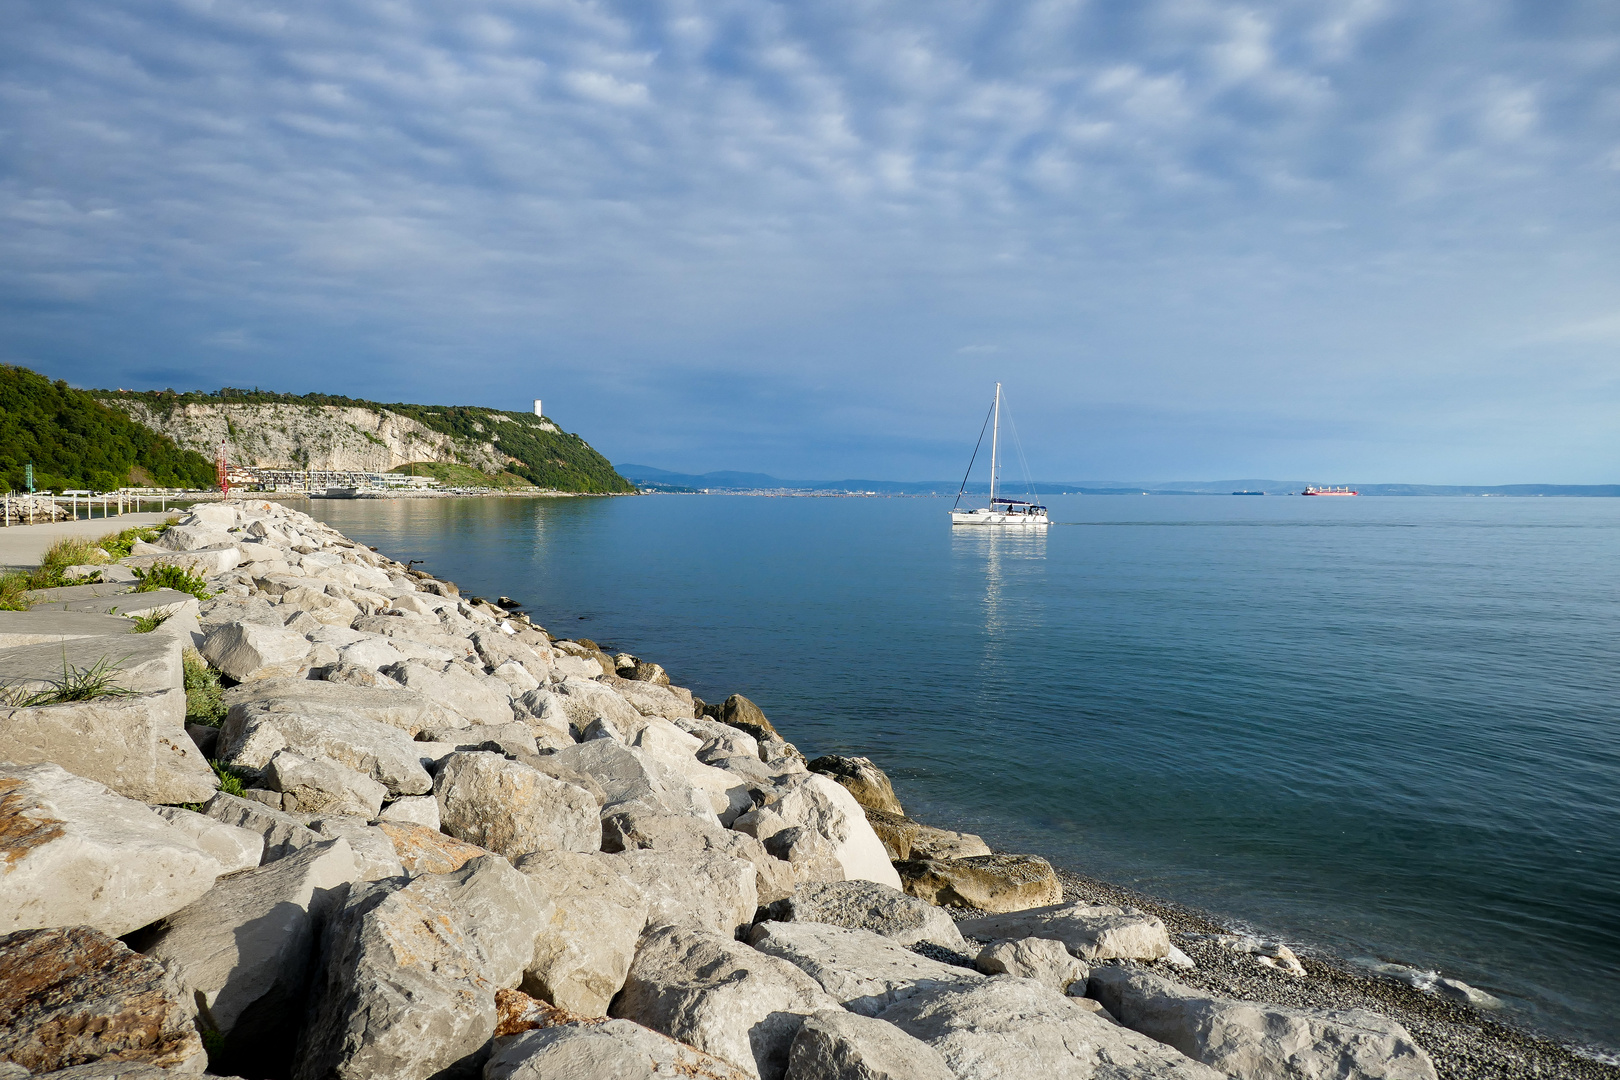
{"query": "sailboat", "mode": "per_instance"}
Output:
(1001, 511)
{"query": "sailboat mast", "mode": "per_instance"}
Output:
(995, 450)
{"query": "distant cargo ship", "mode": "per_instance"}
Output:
(1329, 491)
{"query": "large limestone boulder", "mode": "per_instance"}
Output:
(1089, 931)
(511, 809)
(374, 856)
(585, 700)
(280, 834)
(74, 995)
(720, 996)
(234, 848)
(702, 890)
(456, 688)
(987, 882)
(837, 1045)
(321, 786)
(204, 562)
(582, 955)
(664, 741)
(906, 839)
(246, 946)
(136, 745)
(1251, 1041)
(1046, 961)
(413, 810)
(637, 828)
(424, 850)
(628, 776)
(390, 704)
(246, 651)
(869, 784)
(249, 738)
(615, 1050)
(742, 714)
(649, 698)
(866, 972)
(408, 990)
(817, 805)
(866, 905)
(73, 853)
(1005, 1027)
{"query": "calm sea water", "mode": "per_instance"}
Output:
(1390, 727)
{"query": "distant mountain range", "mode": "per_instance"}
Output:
(645, 476)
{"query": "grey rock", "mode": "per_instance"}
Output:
(136, 745)
(586, 700)
(281, 833)
(318, 786)
(513, 738)
(837, 1045)
(74, 854)
(511, 809)
(457, 689)
(720, 996)
(820, 806)
(637, 828)
(869, 784)
(628, 776)
(615, 1050)
(1046, 961)
(703, 890)
(374, 856)
(246, 945)
(413, 809)
(1252, 1041)
(247, 651)
(387, 754)
(1008, 1027)
(145, 663)
(1089, 931)
(390, 704)
(865, 972)
(582, 955)
(866, 905)
(408, 990)
(649, 698)
(234, 848)
(74, 995)
(987, 882)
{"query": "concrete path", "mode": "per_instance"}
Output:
(25, 545)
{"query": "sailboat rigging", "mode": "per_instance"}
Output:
(1001, 511)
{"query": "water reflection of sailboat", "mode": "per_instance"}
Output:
(1001, 511)
(1002, 552)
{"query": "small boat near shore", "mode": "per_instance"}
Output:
(1017, 513)
(1329, 491)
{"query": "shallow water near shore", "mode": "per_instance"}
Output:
(1389, 727)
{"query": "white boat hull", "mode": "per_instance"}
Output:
(984, 517)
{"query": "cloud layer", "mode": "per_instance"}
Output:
(1345, 238)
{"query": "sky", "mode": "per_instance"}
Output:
(1335, 240)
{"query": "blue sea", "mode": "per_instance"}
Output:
(1387, 727)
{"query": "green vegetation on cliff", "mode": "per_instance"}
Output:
(544, 457)
(453, 475)
(75, 441)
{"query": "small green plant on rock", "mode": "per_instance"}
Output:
(169, 576)
(229, 782)
(119, 545)
(145, 624)
(74, 684)
(205, 697)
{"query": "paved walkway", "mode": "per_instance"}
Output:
(25, 545)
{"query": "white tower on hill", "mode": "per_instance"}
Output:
(537, 411)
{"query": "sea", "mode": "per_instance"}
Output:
(1384, 727)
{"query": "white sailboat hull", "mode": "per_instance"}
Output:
(984, 517)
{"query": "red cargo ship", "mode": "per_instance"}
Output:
(1328, 491)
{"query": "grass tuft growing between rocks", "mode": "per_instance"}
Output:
(169, 576)
(229, 782)
(205, 696)
(74, 684)
(119, 545)
(145, 624)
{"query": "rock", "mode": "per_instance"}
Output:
(585, 700)
(547, 720)
(1046, 961)
(648, 673)
(742, 714)
(413, 810)
(1089, 931)
(73, 853)
(74, 995)
(246, 947)
(720, 996)
(628, 776)
(837, 1045)
(582, 955)
(637, 828)
(1271, 954)
(205, 738)
(703, 890)
(422, 850)
(323, 786)
(1252, 1041)
(1457, 990)
(374, 856)
(818, 805)
(987, 882)
(234, 848)
(203, 562)
(391, 704)
(511, 809)
(865, 972)
(386, 754)
(513, 738)
(869, 784)
(866, 905)
(247, 651)
(408, 990)
(781, 756)
(1007, 1027)
(137, 745)
(281, 833)
(649, 698)
(455, 688)
(614, 1050)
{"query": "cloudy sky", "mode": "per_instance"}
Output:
(1323, 239)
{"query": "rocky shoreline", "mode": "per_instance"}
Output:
(308, 813)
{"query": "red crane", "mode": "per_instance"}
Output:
(222, 470)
